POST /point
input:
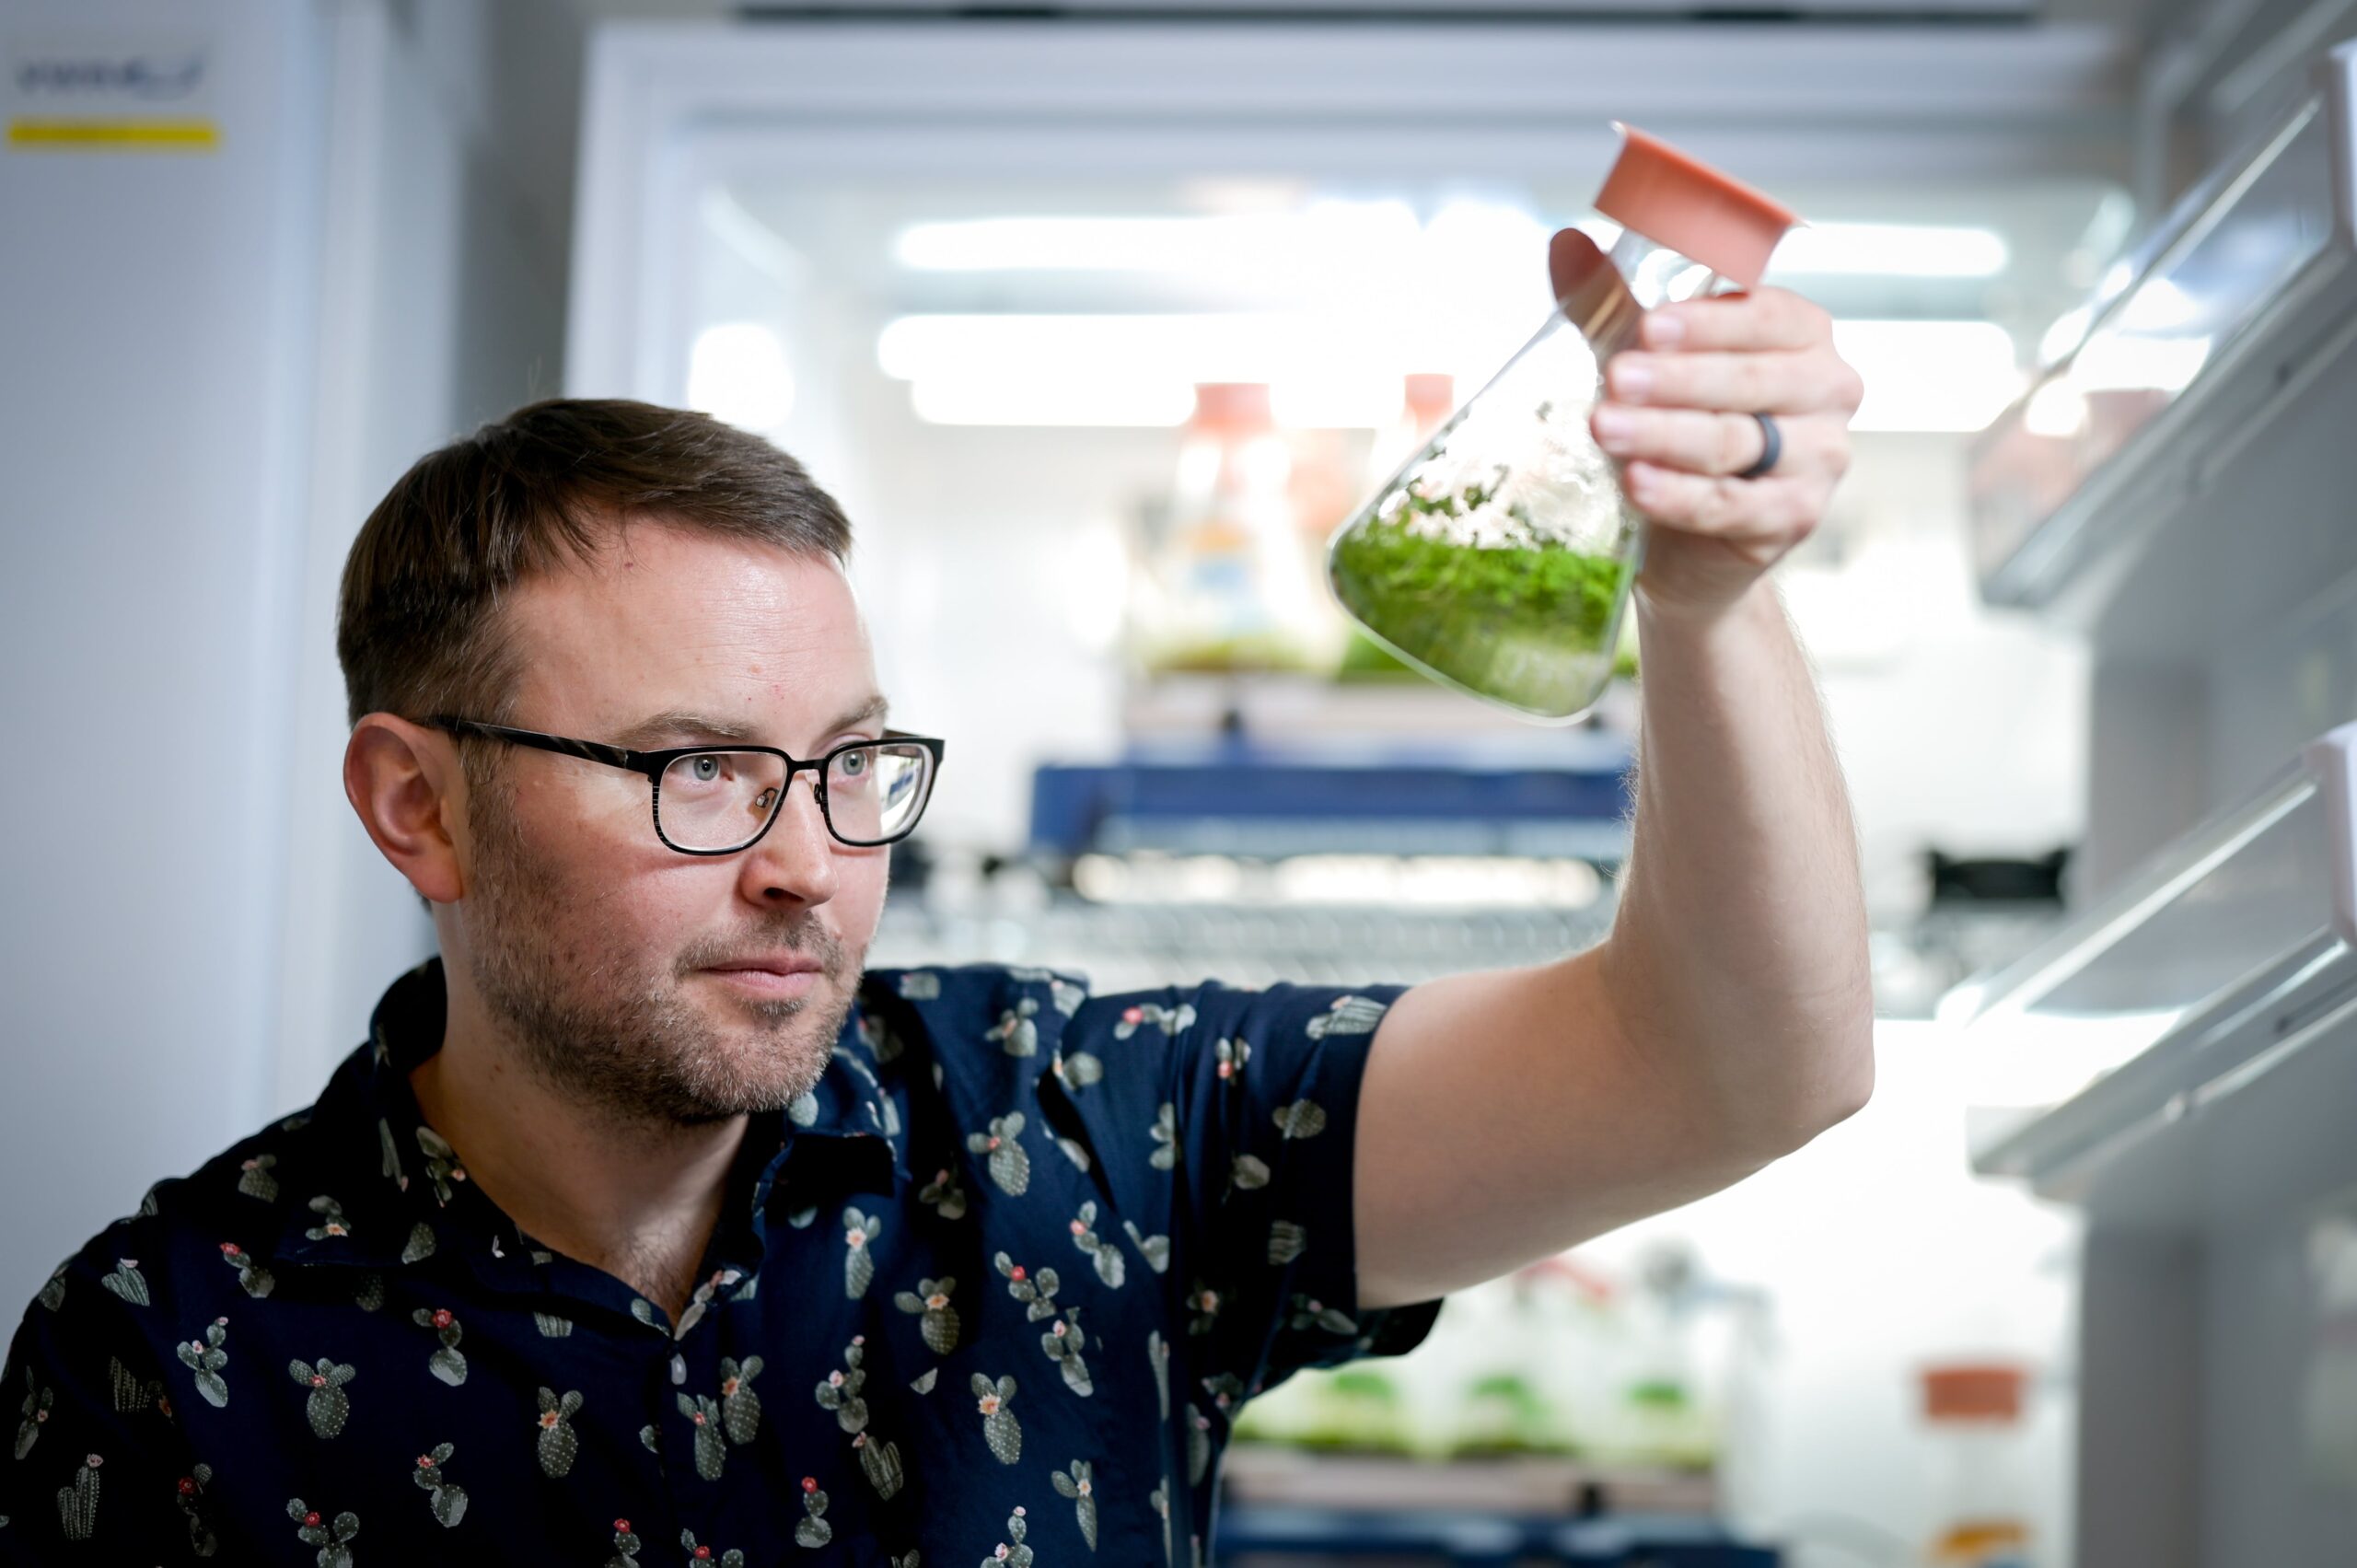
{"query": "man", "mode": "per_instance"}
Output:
(649, 1227)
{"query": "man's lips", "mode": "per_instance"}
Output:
(789, 964)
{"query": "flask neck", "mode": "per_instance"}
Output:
(1658, 275)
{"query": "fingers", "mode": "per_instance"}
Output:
(1719, 444)
(1764, 318)
(1764, 517)
(1765, 381)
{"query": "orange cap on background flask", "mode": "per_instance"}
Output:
(1686, 204)
(1231, 405)
(1974, 1391)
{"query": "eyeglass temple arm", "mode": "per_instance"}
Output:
(564, 745)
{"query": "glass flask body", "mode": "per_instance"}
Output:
(1500, 558)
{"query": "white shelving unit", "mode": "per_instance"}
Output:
(2215, 1153)
(2174, 486)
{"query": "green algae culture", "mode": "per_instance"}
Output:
(1526, 621)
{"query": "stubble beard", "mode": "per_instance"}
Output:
(623, 1038)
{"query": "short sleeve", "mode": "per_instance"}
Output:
(1260, 1132)
(97, 1463)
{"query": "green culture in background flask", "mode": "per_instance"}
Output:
(1500, 558)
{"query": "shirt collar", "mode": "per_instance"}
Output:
(391, 1192)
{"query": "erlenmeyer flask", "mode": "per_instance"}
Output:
(1500, 558)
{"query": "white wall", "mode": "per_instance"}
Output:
(214, 361)
(158, 309)
(451, 137)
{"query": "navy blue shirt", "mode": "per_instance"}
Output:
(996, 1286)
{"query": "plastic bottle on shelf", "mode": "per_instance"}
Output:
(1974, 1411)
(1427, 398)
(1498, 558)
(1230, 588)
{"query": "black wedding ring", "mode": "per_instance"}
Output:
(1772, 446)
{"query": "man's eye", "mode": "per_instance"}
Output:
(704, 770)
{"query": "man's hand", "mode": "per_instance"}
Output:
(1677, 410)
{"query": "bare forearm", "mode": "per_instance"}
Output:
(1738, 956)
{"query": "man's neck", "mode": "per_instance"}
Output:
(639, 1202)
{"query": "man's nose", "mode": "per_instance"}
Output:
(795, 859)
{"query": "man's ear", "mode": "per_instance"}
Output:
(405, 782)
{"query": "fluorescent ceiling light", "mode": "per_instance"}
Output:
(1891, 249)
(1187, 347)
(1016, 399)
(736, 373)
(1135, 370)
(1930, 375)
(1322, 234)
(1325, 372)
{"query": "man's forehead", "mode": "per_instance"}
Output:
(662, 626)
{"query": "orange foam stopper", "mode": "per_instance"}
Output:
(1684, 203)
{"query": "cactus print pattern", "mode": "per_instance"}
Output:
(37, 1401)
(1172, 1170)
(1108, 1261)
(77, 1504)
(741, 1408)
(255, 1179)
(447, 1363)
(1003, 1155)
(127, 1282)
(699, 1555)
(333, 1538)
(253, 1278)
(206, 1357)
(930, 1302)
(558, 1444)
(1016, 1032)
(448, 1503)
(1012, 1552)
(1076, 1483)
(943, 1194)
(880, 1462)
(841, 1391)
(190, 1494)
(712, 1453)
(999, 1429)
(442, 1168)
(327, 1407)
(814, 1530)
(859, 1263)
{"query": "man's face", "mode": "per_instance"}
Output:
(600, 952)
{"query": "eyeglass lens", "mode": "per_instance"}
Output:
(720, 800)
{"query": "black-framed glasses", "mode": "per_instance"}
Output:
(721, 799)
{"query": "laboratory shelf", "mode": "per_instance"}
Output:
(2164, 463)
(2213, 996)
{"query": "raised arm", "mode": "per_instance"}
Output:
(1728, 1017)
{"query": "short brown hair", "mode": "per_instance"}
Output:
(418, 628)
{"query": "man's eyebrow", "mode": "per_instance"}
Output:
(875, 707)
(678, 723)
(686, 724)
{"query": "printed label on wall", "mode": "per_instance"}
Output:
(107, 94)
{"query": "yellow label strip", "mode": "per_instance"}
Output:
(180, 135)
